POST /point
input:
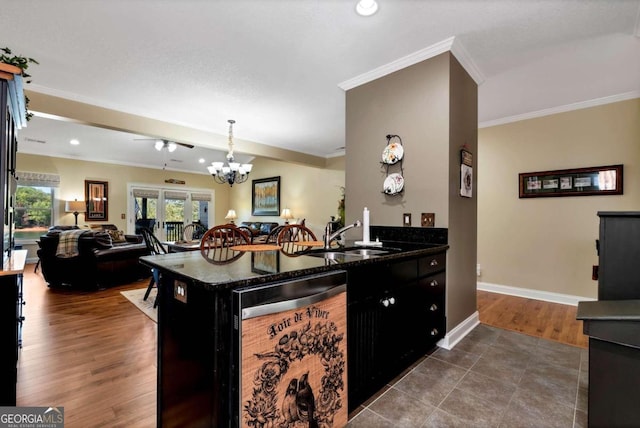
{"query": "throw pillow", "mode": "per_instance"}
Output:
(116, 236)
(103, 239)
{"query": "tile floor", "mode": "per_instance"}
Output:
(492, 378)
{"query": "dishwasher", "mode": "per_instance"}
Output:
(290, 353)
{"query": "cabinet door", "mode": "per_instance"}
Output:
(364, 325)
(619, 255)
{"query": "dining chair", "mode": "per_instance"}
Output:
(294, 238)
(193, 231)
(217, 243)
(155, 247)
(247, 231)
(272, 238)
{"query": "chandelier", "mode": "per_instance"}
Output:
(234, 172)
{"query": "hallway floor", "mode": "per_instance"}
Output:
(492, 378)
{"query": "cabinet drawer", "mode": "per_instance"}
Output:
(433, 284)
(404, 271)
(433, 263)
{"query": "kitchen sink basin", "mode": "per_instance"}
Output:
(335, 255)
(348, 254)
(367, 252)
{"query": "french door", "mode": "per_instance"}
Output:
(167, 210)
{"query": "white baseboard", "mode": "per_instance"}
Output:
(547, 296)
(459, 332)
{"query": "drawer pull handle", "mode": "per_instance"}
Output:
(433, 283)
(388, 302)
(433, 308)
(434, 332)
(434, 262)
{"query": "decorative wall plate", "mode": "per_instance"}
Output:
(393, 184)
(392, 153)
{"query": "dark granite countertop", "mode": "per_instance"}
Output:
(270, 266)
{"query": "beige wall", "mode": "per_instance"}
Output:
(548, 244)
(74, 172)
(310, 193)
(432, 105)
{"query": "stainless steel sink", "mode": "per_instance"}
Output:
(348, 254)
(336, 255)
(367, 252)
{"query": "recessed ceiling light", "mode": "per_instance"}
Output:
(74, 142)
(201, 160)
(366, 7)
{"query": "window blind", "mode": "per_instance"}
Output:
(37, 179)
(146, 193)
(172, 194)
(201, 197)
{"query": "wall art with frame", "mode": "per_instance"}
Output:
(265, 196)
(96, 194)
(597, 180)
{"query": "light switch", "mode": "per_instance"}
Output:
(406, 219)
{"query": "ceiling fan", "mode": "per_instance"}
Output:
(168, 145)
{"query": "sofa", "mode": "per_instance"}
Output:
(101, 259)
(259, 228)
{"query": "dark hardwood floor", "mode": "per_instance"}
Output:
(94, 353)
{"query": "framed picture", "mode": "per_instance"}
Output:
(466, 174)
(597, 180)
(96, 194)
(265, 196)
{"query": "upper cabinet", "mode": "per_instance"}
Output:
(12, 118)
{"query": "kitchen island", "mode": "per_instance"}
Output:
(394, 310)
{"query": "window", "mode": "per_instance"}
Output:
(33, 211)
(34, 207)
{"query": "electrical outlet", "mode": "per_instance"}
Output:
(428, 219)
(406, 219)
(123, 216)
(478, 270)
(180, 291)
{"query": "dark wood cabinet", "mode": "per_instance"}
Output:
(396, 315)
(11, 301)
(11, 115)
(619, 256)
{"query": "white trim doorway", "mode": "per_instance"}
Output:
(205, 199)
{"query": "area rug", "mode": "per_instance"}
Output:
(146, 306)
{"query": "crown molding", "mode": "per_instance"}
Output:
(561, 109)
(451, 44)
(462, 55)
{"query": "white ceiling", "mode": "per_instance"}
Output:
(275, 65)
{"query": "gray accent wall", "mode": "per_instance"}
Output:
(432, 106)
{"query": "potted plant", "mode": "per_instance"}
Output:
(15, 64)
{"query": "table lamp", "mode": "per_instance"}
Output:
(286, 215)
(231, 215)
(76, 207)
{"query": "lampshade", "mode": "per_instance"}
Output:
(75, 206)
(231, 215)
(286, 215)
